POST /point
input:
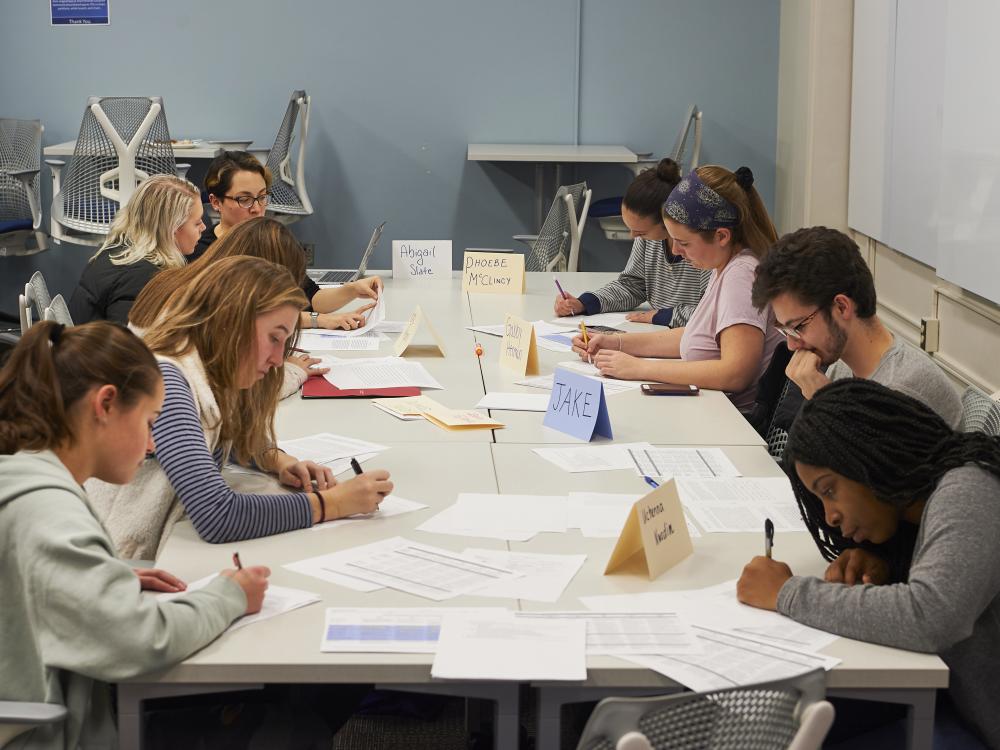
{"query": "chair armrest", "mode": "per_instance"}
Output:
(527, 239)
(55, 166)
(25, 175)
(182, 170)
(57, 163)
(33, 714)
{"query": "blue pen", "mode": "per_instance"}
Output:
(651, 482)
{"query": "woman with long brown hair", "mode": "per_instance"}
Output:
(75, 404)
(220, 349)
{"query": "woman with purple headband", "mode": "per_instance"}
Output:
(717, 221)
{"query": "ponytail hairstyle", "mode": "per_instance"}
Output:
(214, 316)
(885, 440)
(53, 367)
(649, 191)
(144, 228)
(219, 178)
(259, 237)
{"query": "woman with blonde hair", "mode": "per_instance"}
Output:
(157, 229)
(220, 350)
(717, 221)
(77, 403)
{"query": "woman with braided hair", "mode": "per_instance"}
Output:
(865, 460)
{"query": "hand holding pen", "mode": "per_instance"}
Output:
(252, 580)
(566, 304)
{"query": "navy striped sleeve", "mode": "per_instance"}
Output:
(218, 513)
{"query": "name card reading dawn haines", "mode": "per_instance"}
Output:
(577, 406)
(655, 536)
(518, 349)
(493, 273)
(404, 342)
(421, 259)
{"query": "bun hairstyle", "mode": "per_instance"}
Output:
(53, 367)
(744, 177)
(647, 193)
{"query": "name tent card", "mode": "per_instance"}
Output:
(421, 259)
(655, 536)
(577, 406)
(493, 273)
(518, 349)
(404, 342)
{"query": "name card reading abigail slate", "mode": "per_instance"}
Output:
(404, 342)
(577, 406)
(421, 259)
(655, 536)
(493, 273)
(518, 350)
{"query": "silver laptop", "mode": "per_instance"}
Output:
(344, 277)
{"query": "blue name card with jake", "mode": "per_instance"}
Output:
(577, 406)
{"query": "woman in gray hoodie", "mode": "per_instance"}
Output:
(77, 403)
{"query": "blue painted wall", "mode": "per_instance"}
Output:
(400, 88)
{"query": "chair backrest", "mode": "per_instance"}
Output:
(39, 293)
(24, 312)
(58, 311)
(769, 716)
(288, 190)
(20, 152)
(980, 413)
(769, 389)
(122, 141)
(549, 252)
(687, 142)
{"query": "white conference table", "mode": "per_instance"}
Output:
(433, 466)
(199, 149)
(558, 154)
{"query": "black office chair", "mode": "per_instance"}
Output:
(769, 390)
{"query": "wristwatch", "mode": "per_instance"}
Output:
(314, 317)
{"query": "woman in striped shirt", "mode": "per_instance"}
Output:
(220, 343)
(653, 273)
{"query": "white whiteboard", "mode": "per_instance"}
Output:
(925, 135)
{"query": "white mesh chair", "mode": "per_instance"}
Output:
(289, 198)
(980, 413)
(20, 201)
(556, 247)
(17, 717)
(58, 311)
(787, 714)
(122, 141)
(36, 295)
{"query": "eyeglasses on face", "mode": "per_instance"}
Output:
(795, 331)
(247, 201)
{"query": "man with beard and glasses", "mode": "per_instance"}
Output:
(823, 297)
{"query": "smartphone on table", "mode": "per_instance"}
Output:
(669, 389)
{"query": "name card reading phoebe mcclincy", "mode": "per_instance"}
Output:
(518, 349)
(493, 273)
(421, 259)
(655, 536)
(577, 406)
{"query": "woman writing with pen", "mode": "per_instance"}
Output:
(718, 222)
(221, 341)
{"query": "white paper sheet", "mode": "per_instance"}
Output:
(592, 457)
(315, 342)
(390, 326)
(741, 504)
(611, 320)
(431, 572)
(388, 372)
(683, 462)
(511, 517)
(322, 567)
(611, 387)
(729, 661)
(373, 318)
(556, 342)
(343, 465)
(325, 447)
(717, 607)
(615, 633)
(393, 505)
(407, 630)
(514, 401)
(602, 515)
(277, 601)
(487, 647)
(401, 417)
(544, 576)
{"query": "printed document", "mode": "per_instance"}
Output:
(613, 634)
(741, 504)
(703, 463)
(325, 447)
(544, 577)
(407, 630)
(387, 372)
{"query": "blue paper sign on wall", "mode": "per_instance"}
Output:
(80, 12)
(577, 406)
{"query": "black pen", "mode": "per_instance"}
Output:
(356, 466)
(768, 537)
(236, 561)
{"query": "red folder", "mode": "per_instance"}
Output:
(319, 387)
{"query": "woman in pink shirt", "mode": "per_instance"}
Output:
(717, 221)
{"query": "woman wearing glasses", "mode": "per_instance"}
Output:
(718, 222)
(238, 189)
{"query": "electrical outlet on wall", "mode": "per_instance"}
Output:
(310, 251)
